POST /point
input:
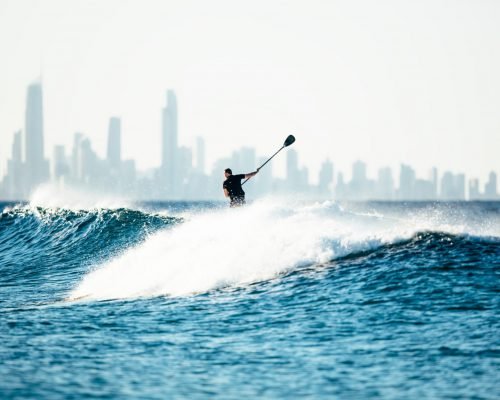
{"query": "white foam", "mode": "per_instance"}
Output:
(239, 246)
(51, 195)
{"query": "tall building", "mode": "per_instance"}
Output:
(359, 171)
(292, 169)
(200, 155)
(185, 166)
(460, 186)
(17, 149)
(37, 167)
(447, 186)
(474, 193)
(14, 182)
(359, 187)
(61, 169)
(76, 158)
(490, 189)
(168, 169)
(340, 187)
(90, 167)
(407, 180)
(303, 179)
(114, 144)
(326, 178)
(452, 186)
(128, 175)
(264, 180)
(434, 180)
(385, 184)
(246, 160)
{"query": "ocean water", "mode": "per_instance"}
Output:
(279, 299)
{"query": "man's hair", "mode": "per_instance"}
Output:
(228, 170)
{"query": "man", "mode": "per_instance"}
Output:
(232, 187)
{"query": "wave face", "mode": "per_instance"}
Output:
(318, 290)
(44, 246)
(237, 247)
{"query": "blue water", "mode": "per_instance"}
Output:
(274, 300)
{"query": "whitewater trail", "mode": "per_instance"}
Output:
(238, 246)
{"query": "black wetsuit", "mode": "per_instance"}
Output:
(233, 186)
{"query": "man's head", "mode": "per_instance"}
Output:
(228, 172)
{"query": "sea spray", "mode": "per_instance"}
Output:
(239, 246)
(51, 195)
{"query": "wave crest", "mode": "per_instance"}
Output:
(255, 243)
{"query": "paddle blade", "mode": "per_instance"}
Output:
(289, 140)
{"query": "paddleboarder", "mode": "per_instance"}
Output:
(232, 187)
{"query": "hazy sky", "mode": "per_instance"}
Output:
(383, 81)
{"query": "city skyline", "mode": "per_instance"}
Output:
(425, 92)
(183, 176)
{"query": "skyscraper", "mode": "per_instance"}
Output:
(200, 155)
(169, 163)
(14, 181)
(114, 144)
(17, 149)
(474, 193)
(264, 182)
(185, 165)
(452, 186)
(61, 168)
(292, 170)
(359, 187)
(359, 171)
(407, 180)
(90, 169)
(76, 158)
(460, 186)
(434, 180)
(490, 189)
(325, 178)
(340, 187)
(37, 167)
(385, 184)
(246, 160)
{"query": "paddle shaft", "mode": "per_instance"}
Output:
(270, 158)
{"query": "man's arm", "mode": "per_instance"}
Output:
(226, 193)
(250, 174)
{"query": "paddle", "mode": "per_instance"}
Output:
(289, 140)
